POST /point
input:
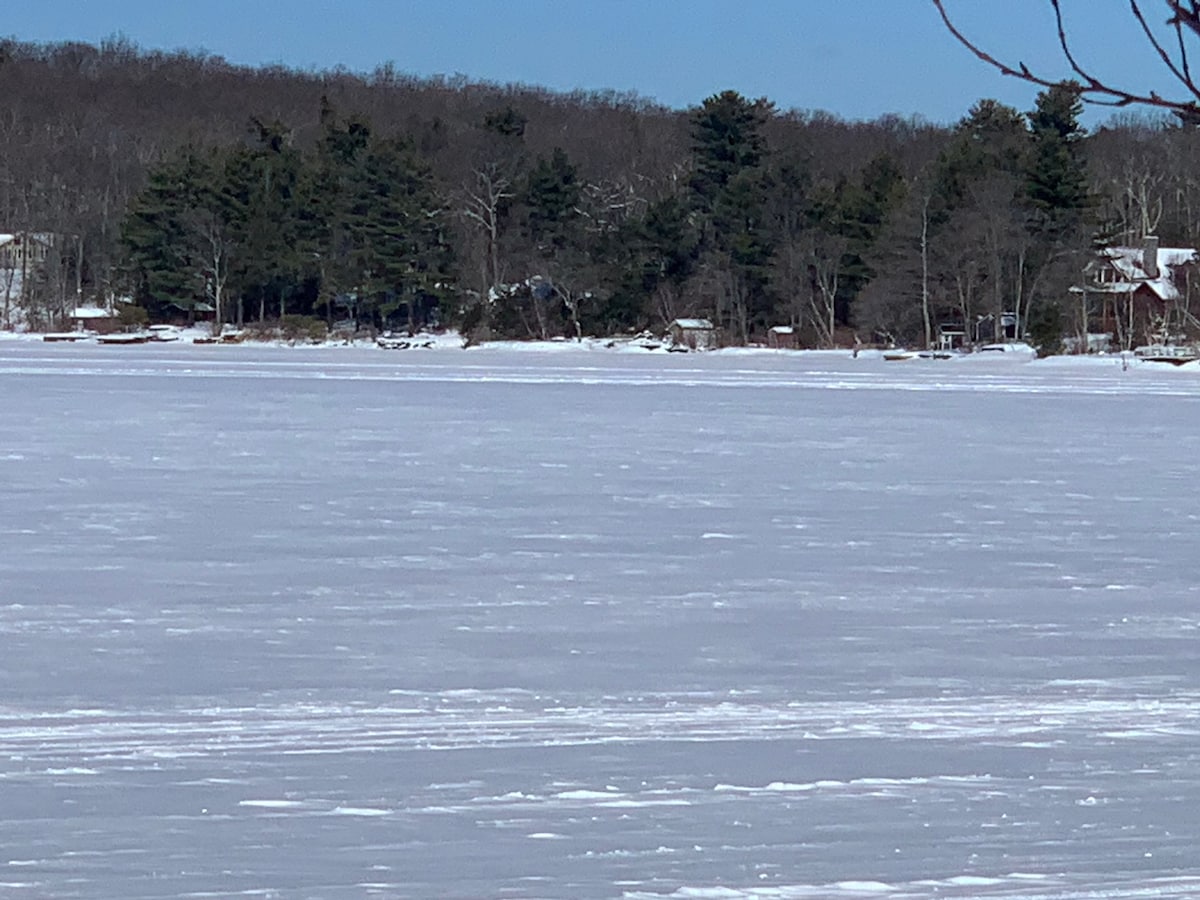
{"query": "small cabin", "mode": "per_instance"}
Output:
(94, 318)
(990, 328)
(951, 335)
(185, 314)
(783, 337)
(692, 334)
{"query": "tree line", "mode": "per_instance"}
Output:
(187, 184)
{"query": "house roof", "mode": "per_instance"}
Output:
(43, 237)
(91, 312)
(1128, 261)
(693, 324)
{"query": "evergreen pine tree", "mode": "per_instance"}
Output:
(326, 239)
(727, 141)
(730, 188)
(265, 177)
(861, 215)
(649, 259)
(991, 140)
(1057, 183)
(397, 226)
(1060, 206)
(551, 197)
(179, 234)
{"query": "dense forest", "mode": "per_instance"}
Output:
(186, 183)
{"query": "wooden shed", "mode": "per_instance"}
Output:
(692, 334)
(94, 318)
(783, 337)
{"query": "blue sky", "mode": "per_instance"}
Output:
(855, 58)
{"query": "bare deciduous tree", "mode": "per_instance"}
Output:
(214, 247)
(483, 203)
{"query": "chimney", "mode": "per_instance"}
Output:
(1150, 256)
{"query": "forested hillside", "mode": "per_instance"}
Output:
(179, 180)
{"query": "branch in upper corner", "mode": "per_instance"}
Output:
(1182, 17)
(1185, 14)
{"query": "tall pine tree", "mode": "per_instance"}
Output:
(1061, 207)
(1057, 182)
(180, 235)
(730, 187)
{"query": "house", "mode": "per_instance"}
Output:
(190, 313)
(692, 334)
(783, 337)
(23, 256)
(25, 250)
(1138, 294)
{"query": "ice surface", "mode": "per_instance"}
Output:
(346, 623)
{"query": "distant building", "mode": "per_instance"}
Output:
(692, 334)
(951, 335)
(25, 250)
(94, 318)
(1138, 294)
(783, 337)
(989, 328)
(23, 256)
(190, 313)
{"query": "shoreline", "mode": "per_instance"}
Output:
(450, 342)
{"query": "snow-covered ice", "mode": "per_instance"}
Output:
(346, 623)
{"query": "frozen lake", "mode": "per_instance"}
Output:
(344, 623)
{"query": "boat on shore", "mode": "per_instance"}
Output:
(902, 354)
(1174, 354)
(164, 333)
(121, 337)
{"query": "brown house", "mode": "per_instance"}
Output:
(1139, 294)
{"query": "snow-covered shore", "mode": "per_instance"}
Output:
(451, 342)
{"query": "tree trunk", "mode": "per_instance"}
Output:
(925, 315)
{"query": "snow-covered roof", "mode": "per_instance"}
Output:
(1130, 263)
(90, 312)
(44, 237)
(693, 324)
(783, 329)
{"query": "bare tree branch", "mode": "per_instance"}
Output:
(1183, 54)
(1088, 79)
(1158, 47)
(1185, 14)
(1188, 18)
